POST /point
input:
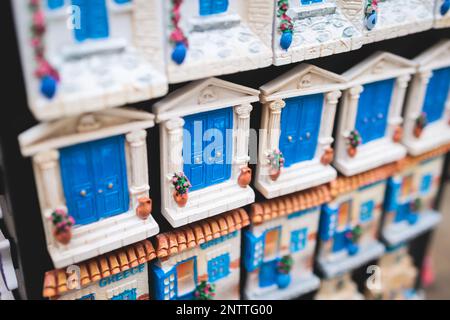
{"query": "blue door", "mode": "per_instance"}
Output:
(268, 273)
(94, 179)
(403, 212)
(208, 7)
(207, 147)
(93, 19)
(340, 241)
(300, 124)
(373, 109)
(437, 93)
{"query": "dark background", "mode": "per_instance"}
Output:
(16, 174)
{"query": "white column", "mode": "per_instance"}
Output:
(274, 127)
(328, 114)
(353, 95)
(398, 98)
(242, 133)
(139, 169)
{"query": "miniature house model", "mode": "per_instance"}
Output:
(119, 275)
(427, 111)
(386, 19)
(297, 125)
(279, 246)
(200, 261)
(204, 135)
(442, 14)
(8, 279)
(92, 169)
(309, 29)
(83, 56)
(341, 287)
(369, 125)
(410, 197)
(349, 224)
(213, 37)
(397, 277)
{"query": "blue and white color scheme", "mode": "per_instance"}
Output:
(95, 167)
(297, 119)
(442, 14)
(410, 200)
(429, 94)
(372, 105)
(204, 132)
(107, 53)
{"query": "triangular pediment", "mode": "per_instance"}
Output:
(378, 64)
(82, 128)
(439, 51)
(208, 92)
(302, 77)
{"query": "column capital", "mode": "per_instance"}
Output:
(276, 106)
(403, 81)
(356, 91)
(333, 97)
(174, 124)
(46, 159)
(425, 76)
(243, 110)
(136, 137)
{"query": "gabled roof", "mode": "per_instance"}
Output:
(283, 206)
(203, 95)
(380, 63)
(303, 78)
(83, 128)
(437, 54)
(55, 281)
(195, 234)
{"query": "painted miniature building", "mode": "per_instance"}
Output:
(83, 56)
(442, 14)
(411, 195)
(119, 275)
(427, 110)
(309, 29)
(8, 279)
(92, 182)
(341, 287)
(298, 117)
(213, 37)
(349, 224)
(200, 261)
(398, 277)
(204, 141)
(369, 126)
(279, 246)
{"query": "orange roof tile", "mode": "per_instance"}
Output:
(55, 281)
(192, 235)
(279, 207)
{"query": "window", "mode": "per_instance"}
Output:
(90, 296)
(425, 185)
(271, 245)
(219, 267)
(407, 186)
(344, 214)
(308, 2)
(126, 295)
(366, 211)
(436, 95)
(55, 4)
(208, 7)
(93, 20)
(299, 239)
(186, 276)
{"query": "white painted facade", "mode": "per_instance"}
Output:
(42, 143)
(441, 21)
(8, 278)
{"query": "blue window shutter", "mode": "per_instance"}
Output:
(436, 95)
(425, 184)
(392, 194)
(220, 6)
(328, 222)
(164, 283)
(219, 267)
(254, 251)
(82, 33)
(93, 20)
(299, 239)
(208, 7)
(366, 211)
(55, 4)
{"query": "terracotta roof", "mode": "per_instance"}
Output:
(192, 235)
(55, 281)
(414, 160)
(271, 209)
(345, 184)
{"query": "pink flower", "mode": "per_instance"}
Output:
(38, 19)
(177, 36)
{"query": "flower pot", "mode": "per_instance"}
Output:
(180, 199)
(352, 249)
(245, 177)
(144, 208)
(62, 236)
(371, 20)
(286, 40)
(179, 53)
(283, 280)
(327, 157)
(48, 86)
(417, 131)
(412, 218)
(351, 151)
(398, 134)
(274, 174)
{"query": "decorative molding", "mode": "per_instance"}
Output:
(208, 94)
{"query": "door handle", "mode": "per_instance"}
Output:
(197, 160)
(308, 135)
(83, 193)
(100, 191)
(290, 138)
(218, 154)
